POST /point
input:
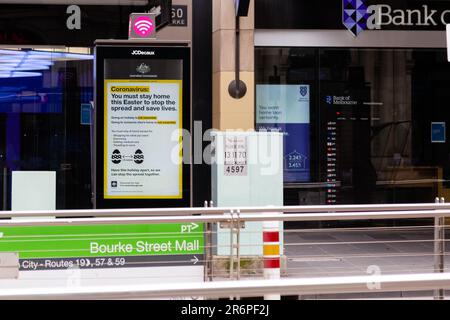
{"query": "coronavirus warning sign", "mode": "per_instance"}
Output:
(143, 108)
(142, 157)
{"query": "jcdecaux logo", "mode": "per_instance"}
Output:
(357, 16)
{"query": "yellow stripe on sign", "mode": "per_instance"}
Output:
(167, 122)
(147, 118)
(271, 250)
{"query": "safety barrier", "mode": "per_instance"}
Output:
(248, 288)
(311, 252)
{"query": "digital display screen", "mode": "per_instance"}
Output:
(286, 108)
(143, 111)
(143, 108)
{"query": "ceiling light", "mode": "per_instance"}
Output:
(30, 67)
(19, 74)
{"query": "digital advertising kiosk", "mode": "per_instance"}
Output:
(142, 107)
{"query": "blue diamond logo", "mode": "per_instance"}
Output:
(354, 16)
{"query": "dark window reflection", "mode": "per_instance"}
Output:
(370, 119)
(41, 93)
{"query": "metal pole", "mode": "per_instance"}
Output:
(238, 248)
(5, 189)
(238, 54)
(232, 244)
(347, 212)
(206, 238)
(246, 288)
(224, 218)
(238, 245)
(232, 249)
(439, 249)
(210, 248)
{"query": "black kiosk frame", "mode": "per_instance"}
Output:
(148, 63)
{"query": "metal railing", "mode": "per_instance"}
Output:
(234, 217)
(271, 214)
(248, 288)
(418, 208)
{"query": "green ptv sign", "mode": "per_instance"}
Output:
(104, 246)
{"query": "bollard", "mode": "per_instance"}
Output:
(271, 254)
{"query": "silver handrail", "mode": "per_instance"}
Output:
(227, 217)
(247, 288)
(434, 212)
(215, 211)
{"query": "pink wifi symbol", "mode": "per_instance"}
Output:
(143, 26)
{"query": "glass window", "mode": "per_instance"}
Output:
(45, 98)
(376, 131)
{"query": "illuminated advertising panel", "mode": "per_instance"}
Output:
(285, 108)
(142, 108)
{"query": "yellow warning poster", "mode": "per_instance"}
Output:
(143, 139)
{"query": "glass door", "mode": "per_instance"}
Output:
(44, 94)
(377, 122)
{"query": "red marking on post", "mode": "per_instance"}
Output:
(271, 236)
(271, 263)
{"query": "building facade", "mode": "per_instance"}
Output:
(373, 79)
(47, 86)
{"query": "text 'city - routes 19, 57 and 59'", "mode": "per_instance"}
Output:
(143, 146)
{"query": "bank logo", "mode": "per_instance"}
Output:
(357, 16)
(354, 16)
(143, 26)
(329, 100)
(143, 68)
(303, 91)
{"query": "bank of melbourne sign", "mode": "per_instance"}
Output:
(358, 15)
(353, 15)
